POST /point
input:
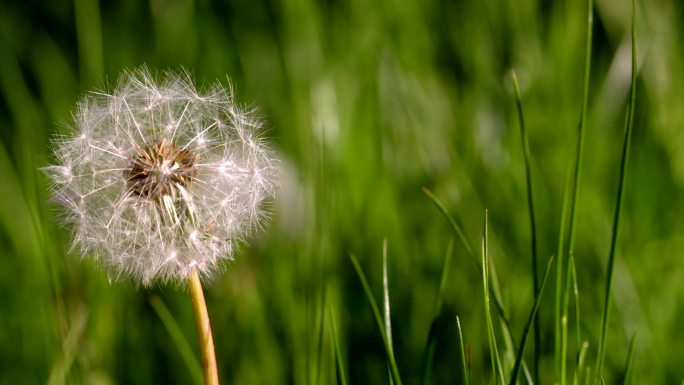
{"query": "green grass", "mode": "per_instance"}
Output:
(533, 235)
(382, 326)
(339, 362)
(433, 339)
(629, 126)
(394, 120)
(533, 313)
(563, 268)
(176, 333)
(494, 356)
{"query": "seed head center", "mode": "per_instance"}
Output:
(160, 169)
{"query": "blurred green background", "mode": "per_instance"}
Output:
(367, 101)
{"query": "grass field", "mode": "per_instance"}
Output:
(368, 103)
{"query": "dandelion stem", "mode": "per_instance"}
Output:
(206, 341)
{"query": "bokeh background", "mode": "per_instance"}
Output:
(367, 102)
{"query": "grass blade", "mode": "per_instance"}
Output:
(562, 261)
(386, 303)
(428, 354)
(320, 325)
(336, 343)
(533, 225)
(378, 319)
(59, 374)
(471, 251)
(494, 285)
(570, 284)
(178, 338)
(559, 320)
(582, 126)
(581, 359)
(627, 373)
(493, 349)
(439, 300)
(587, 378)
(575, 289)
(464, 363)
(454, 225)
(528, 325)
(618, 205)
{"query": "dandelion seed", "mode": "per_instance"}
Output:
(159, 179)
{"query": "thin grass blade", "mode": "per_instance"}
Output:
(464, 362)
(559, 346)
(471, 251)
(575, 290)
(581, 359)
(320, 325)
(582, 125)
(454, 225)
(570, 286)
(179, 339)
(491, 335)
(341, 373)
(533, 224)
(386, 303)
(562, 261)
(528, 325)
(59, 373)
(627, 373)
(618, 205)
(428, 354)
(378, 319)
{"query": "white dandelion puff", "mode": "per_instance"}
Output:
(159, 179)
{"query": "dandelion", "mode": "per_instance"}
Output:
(160, 180)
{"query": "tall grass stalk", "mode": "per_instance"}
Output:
(533, 225)
(464, 361)
(387, 314)
(491, 335)
(579, 368)
(394, 370)
(320, 332)
(570, 286)
(431, 345)
(561, 312)
(618, 205)
(629, 362)
(560, 323)
(59, 373)
(336, 343)
(533, 315)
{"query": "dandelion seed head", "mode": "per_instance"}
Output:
(159, 179)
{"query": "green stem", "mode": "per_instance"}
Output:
(618, 205)
(206, 341)
(533, 225)
(493, 349)
(394, 370)
(336, 342)
(562, 314)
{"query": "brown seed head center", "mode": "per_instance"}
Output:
(160, 169)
